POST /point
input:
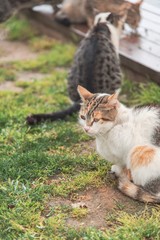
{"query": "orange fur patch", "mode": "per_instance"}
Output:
(125, 187)
(97, 114)
(129, 189)
(127, 173)
(142, 156)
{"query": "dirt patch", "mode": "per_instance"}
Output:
(30, 76)
(85, 147)
(15, 51)
(9, 86)
(101, 203)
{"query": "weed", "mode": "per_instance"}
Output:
(79, 212)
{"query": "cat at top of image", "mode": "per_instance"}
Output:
(95, 66)
(9, 7)
(79, 11)
(127, 137)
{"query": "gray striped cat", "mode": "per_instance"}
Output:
(96, 64)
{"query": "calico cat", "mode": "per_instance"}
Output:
(127, 137)
(76, 11)
(79, 11)
(9, 7)
(95, 66)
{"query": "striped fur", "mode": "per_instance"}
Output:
(136, 192)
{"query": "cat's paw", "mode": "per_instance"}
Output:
(115, 169)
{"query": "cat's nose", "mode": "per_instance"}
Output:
(86, 128)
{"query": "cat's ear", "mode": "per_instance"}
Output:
(113, 99)
(110, 18)
(138, 3)
(84, 93)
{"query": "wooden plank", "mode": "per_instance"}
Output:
(150, 16)
(149, 47)
(140, 61)
(148, 35)
(146, 24)
(131, 51)
(150, 8)
(139, 68)
(141, 55)
(143, 43)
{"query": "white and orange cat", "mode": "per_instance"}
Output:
(127, 137)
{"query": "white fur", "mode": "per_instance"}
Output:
(74, 10)
(115, 35)
(115, 141)
(101, 17)
(116, 169)
(102, 94)
(115, 32)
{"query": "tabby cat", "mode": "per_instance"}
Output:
(127, 137)
(8, 7)
(79, 11)
(95, 66)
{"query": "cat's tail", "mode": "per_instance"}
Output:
(41, 117)
(136, 192)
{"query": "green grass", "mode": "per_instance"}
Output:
(46, 161)
(41, 43)
(60, 55)
(19, 29)
(6, 75)
(136, 227)
(47, 60)
(79, 212)
(140, 93)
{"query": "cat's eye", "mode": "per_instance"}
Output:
(83, 117)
